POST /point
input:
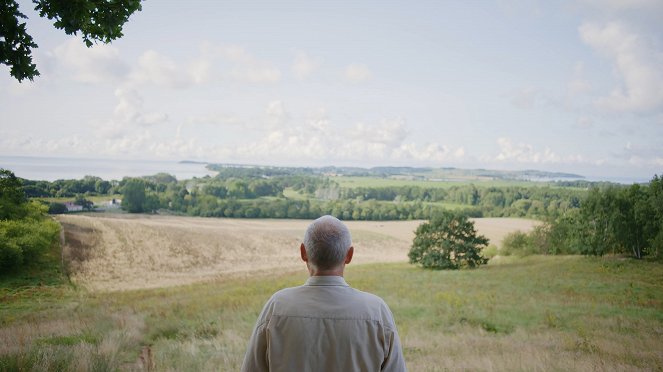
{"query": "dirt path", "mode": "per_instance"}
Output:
(117, 252)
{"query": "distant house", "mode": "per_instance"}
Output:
(71, 207)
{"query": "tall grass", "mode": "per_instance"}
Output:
(517, 314)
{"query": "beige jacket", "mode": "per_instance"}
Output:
(324, 325)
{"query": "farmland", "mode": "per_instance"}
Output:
(115, 252)
(534, 313)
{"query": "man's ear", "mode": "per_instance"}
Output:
(302, 253)
(348, 256)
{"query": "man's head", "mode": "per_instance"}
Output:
(327, 245)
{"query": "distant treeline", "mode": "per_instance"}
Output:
(581, 217)
(88, 185)
(244, 192)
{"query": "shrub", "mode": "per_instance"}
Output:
(491, 251)
(56, 208)
(516, 243)
(23, 241)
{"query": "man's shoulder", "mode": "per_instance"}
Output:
(360, 295)
(369, 297)
(338, 301)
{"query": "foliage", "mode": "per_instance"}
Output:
(447, 241)
(88, 186)
(490, 251)
(12, 198)
(15, 42)
(23, 241)
(56, 208)
(96, 20)
(26, 235)
(133, 195)
(86, 204)
(516, 243)
(610, 220)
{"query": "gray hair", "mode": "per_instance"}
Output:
(327, 241)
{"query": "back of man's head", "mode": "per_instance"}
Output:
(327, 241)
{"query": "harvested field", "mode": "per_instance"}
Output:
(120, 252)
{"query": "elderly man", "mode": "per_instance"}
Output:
(325, 325)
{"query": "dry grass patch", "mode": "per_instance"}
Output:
(119, 252)
(529, 314)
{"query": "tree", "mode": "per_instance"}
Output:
(86, 204)
(447, 241)
(133, 195)
(12, 197)
(96, 20)
(57, 208)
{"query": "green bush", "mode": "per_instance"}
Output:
(23, 241)
(490, 251)
(516, 243)
(57, 208)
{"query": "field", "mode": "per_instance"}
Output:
(515, 314)
(355, 181)
(115, 252)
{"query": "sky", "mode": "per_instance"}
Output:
(566, 86)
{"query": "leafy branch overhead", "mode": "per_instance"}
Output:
(96, 20)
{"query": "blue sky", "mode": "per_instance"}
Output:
(571, 86)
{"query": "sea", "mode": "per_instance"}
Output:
(51, 169)
(54, 168)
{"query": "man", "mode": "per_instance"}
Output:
(325, 325)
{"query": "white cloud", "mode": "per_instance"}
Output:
(320, 140)
(29, 145)
(100, 63)
(579, 84)
(526, 98)
(216, 119)
(585, 122)
(640, 154)
(246, 67)
(304, 65)
(161, 71)
(128, 115)
(523, 153)
(618, 6)
(357, 73)
(638, 66)
(387, 132)
(276, 114)
(214, 63)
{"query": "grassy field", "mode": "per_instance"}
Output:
(350, 182)
(123, 251)
(527, 314)
(93, 198)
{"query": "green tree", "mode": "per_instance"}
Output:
(12, 197)
(96, 20)
(86, 204)
(447, 241)
(133, 195)
(57, 208)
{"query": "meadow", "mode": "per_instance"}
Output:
(444, 183)
(514, 314)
